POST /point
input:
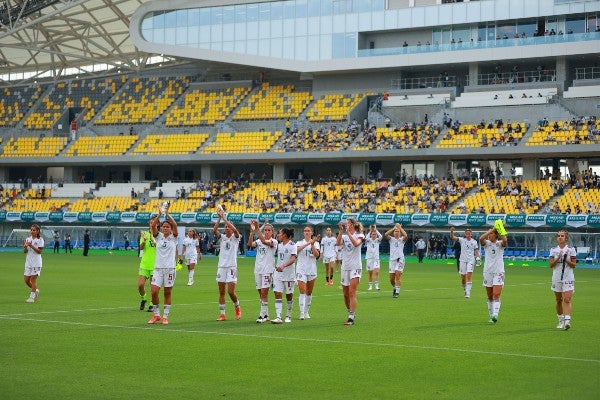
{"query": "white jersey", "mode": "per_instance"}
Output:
(228, 251)
(284, 252)
(265, 257)
(190, 245)
(561, 271)
(373, 246)
(33, 259)
(166, 251)
(306, 262)
(350, 254)
(328, 245)
(467, 249)
(396, 248)
(494, 257)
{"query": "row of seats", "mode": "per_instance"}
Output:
(165, 144)
(487, 199)
(15, 103)
(34, 147)
(468, 135)
(274, 102)
(334, 107)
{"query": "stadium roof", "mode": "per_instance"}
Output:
(54, 38)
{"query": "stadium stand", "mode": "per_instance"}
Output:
(274, 102)
(483, 135)
(242, 142)
(160, 144)
(29, 204)
(34, 146)
(16, 102)
(101, 146)
(321, 139)
(553, 133)
(407, 136)
(494, 98)
(334, 107)
(104, 204)
(578, 201)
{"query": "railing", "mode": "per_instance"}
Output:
(587, 73)
(497, 78)
(423, 82)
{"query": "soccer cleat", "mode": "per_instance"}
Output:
(494, 318)
(288, 319)
(154, 319)
(238, 312)
(150, 308)
(370, 287)
(30, 300)
(499, 225)
(490, 321)
(567, 325)
(261, 319)
(331, 282)
(190, 283)
(561, 325)
(221, 317)
(467, 295)
(377, 287)
(277, 321)
(306, 315)
(395, 294)
(301, 316)
(349, 322)
(142, 305)
(165, 321)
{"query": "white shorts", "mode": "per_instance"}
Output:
(338, 256)
(163, 277)
(563, 286)
(191, 260)
(286, 287)
(263, 281)
(396, 265)
(227, 275)
(302, 277)
(465, 266)
(348, 274)
(372, 263)
(328, 260)
(32, 271)
(491, 279)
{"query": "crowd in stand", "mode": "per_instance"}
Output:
(415, 135)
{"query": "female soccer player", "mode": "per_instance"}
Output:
(373, 240)
(351, 271)
(329, 255)
(308, 250)
(264, 265)
(396, 256)
(227, 267)
(563, 259)
(164, 264)
(191, 253)
(469, 250)
(32, 247)
(284, 276)
(493, 270)
(148, 249)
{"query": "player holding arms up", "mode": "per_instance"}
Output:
(396, 256)
(32, 247)
(469, 251)
(164, 264)
(563, 259)
(284, 276)
(350, 244)
(227, 267)
(329, 255)
(308, 250)
(264, 265)
(493, 269)
(373, 240)
(191, 253)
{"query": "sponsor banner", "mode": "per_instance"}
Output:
(42, 216)
(28, 216)
(99, 217)
(535, 220)
(457, 219)
(299, 218)
(113, 216)
(351, 215)
(70, 216)
(592, 220)
(249, 217)
(143, 217)
(332, 218)
(2, 215)
(491, 218)
(556, 220)
(420, 219)
(476, 219)
(404, 219)
(187, 218)
(204, 218)
(384, 219)
(266, 216)
(128, 216)
(84, 217)
(13, 216)
(438, 219)
(176, 216)
(515, 220)
(316, 219)
(577, 220)
(282, 218)
(366, 219)
(235, 217)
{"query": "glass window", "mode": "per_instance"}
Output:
(252, 47)
(326, 7)
(264, 30)
(301, 8)
(300, 47)
(350, 45)
(325, 51)
(301, 27)
(182, 18)
(170, 19)
(240, 13)
(170, 35)
(216, 15)
(252, 30)
(314, 8)
(228, 14)
(216, 46)
(147, 23)
(473, 11)
(252, 13)
(378, 5)
(481, 33)
(277, 28)
(339, 22)
(352, 22)
(192, 35)
(364, 6)
(228, 32)
(338, 45)
(240, 31)
(378, 18)
(204, 33)
(264, 11)
(193, 16)
(158, 36)
(228, 46)
(526, 27)
(263, 49)
(276, 10)
(240, 46)
(276, 47)
(216, 33)
(181, 36)
(325, 26)
(288, 48)
(205, 16)
(313, 48)
(288, 9)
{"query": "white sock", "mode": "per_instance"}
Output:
(302, 303)
(308, 302)
(490, 307)
(222, 308)
(166, 310)
(397, 289)
(278, 307)
(468, 289)
(561, 317)
(290, 305)
(264, 308)
(567, 319)
(191, 274)
(496, 307)
(156, 310)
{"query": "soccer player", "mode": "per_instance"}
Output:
(469, 250)
(227, 266)
(307, 250)
(329, 255)
(191, 253)
(148, 250)
(164, 264)
(397, 261)
(350, 243)
(373, 240)
(284, 276)
(264, 264)
(32, 247)
(493, 269)
(563, 259)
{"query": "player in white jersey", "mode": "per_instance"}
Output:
(469, 252)
(32, 247)
(373, 240)
(264, 264)
(493, 269)
(351, 272)
(397, 261)
(307, 250)
(191, 253)
(227, 266)
(329, 255)
(285, 274)
(164, 264)
(563, 259)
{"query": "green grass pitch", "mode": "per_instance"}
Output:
(85, 337)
